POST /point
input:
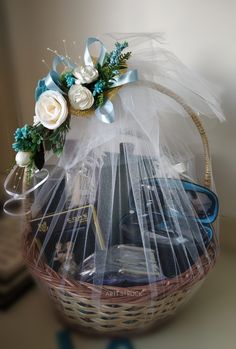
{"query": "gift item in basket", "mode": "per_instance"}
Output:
(64, 255)
(122, 200)
(83, 179)
(66, 245)
(164, 225)
(121, 149)
(122, 266)
(175, 249)
(161, 194)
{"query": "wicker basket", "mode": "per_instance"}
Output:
(130, 309)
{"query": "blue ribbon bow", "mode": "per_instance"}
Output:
(52, 81)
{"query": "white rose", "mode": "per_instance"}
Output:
(51, 109)
(23, 158)
(85, 75)
(80, 97)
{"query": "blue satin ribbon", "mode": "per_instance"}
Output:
(126, 78)
(87, 57)
(106, 112)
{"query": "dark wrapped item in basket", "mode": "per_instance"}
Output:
(122, 199)
(122, 266)
(171, 250)
(69, 248)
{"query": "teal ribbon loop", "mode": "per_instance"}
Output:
(87, 57)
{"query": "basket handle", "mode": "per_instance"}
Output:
(198, 123)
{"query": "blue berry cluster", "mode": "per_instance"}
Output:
(99, 87)
(23, 140)
(70, 80)
(115, 55)
(41, 87)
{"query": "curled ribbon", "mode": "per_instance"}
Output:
(19, 197)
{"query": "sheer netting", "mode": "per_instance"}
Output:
(128, 204)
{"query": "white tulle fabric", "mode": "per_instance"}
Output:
(158, 140)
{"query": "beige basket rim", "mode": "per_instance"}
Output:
(110, 294)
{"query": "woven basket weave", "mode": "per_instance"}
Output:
(118, 310)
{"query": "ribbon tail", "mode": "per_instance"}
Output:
(127, 78)
(106, 113)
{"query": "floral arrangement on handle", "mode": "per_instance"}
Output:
(78, 90)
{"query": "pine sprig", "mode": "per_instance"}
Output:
(100, 100)
(123, 59)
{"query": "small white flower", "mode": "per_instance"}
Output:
(22, 158)
(85, 74)
(51, 109)
(80, 97)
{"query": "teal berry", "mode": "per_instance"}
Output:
(23, 139)
(41, 87)
(18, 134)
(22, 133)
(25, 131)
(70, 80)
(16, 147)
(99, 87)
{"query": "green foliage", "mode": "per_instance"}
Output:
(36, 137)
(100, 100)
(123, 59)
(56, 138)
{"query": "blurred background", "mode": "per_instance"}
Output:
(202, 34)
